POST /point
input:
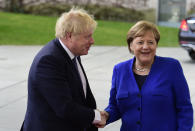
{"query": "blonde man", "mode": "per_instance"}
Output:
(59, 96)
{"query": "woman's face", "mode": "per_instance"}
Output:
(144, 48)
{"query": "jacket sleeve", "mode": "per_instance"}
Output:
(53, 86)
(112, 108)
(183, 103)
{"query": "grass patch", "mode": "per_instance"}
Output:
(169, 36)
(21, 29)
(111, 33)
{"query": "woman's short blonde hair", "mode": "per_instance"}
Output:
(75, 21)
(139, 29)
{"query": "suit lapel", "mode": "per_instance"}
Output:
(79, 59)
(73, 68)
(67, 57)
(87, 83)
(90, 100)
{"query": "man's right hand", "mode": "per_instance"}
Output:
(104, 117)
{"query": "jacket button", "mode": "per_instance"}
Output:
(139, 109)
(139, 95)
(138, 122)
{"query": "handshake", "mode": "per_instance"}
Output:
(102, 123)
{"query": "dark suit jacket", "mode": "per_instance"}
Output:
(56, 100)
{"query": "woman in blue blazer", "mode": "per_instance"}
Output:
(149, 93)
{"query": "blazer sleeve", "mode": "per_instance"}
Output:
(183, 103)
(53, 86)
(112, 108)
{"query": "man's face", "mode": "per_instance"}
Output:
(81, 43)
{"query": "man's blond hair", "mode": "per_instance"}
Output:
(75, 21)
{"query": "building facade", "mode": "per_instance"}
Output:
(136, 4)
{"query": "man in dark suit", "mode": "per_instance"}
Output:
(59, 96)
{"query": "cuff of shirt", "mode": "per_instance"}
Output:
(97, 118)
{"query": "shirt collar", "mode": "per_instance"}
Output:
(71, 55)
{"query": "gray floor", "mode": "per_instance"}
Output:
(15, 62)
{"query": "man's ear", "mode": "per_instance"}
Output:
(68, 35)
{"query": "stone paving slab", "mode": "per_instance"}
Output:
(15, 62)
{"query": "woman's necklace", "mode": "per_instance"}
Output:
(141, 70)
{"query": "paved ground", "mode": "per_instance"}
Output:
(15, 62)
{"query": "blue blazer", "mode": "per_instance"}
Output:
(162, 104)
(56, 100)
